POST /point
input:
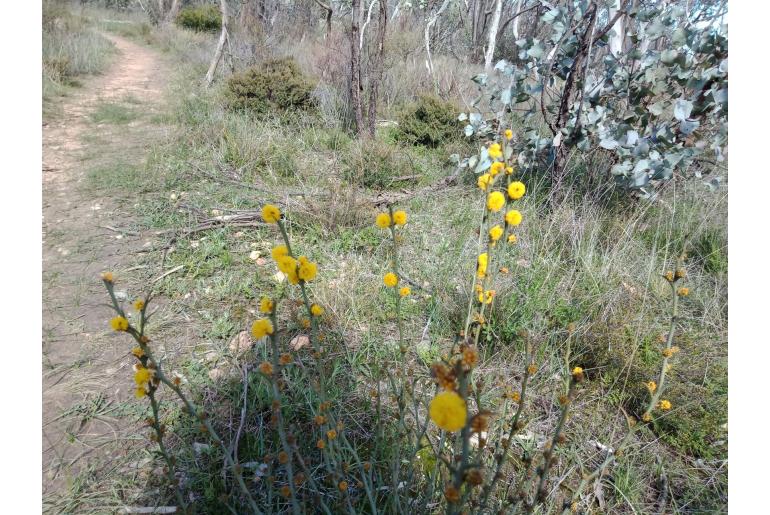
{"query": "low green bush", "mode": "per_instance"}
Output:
(429, 121)
(202, 18)
(276, 84)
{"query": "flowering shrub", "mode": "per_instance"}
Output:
(434, 439)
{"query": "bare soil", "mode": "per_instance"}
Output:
(86, 368)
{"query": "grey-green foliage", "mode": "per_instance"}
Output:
(654, 109)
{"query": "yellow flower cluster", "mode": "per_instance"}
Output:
(266, 305)
(316, 310)
(119, 323)
(448, 411)
(296, 270)
(142, 378)
(390, 280)
(261, 328)
(271, 214)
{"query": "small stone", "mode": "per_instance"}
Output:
(299, 341)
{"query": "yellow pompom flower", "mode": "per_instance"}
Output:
(383, 220)
(278, 252)
(651, 386)
(138, 304)
(119, 324)
(508, 134)
(390, 279)
(137, 352)
(287, 264)
(316, 310)
(405, 291)
(683, 291)
(516, 190)
(140, 392)
(142, 376)
(399, 217)
(496, 168)
(448, 411)
(482, 265)
(665, 405)
(495, 151)
(108, 277)
(508, 170)
(484, 181)
(513, 217)
(271, 214)
(495, 233)
(511, 238)
(261, 328)
(266, 305)
(307, 269)
(495, 201)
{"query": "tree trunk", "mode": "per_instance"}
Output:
(492, 40)
(375, 76)
(355, 68)
(428, 26)
(223, 38)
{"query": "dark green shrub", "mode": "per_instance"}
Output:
(277, 84)
(429, 121)
(202, 18)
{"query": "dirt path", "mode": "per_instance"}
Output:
(86, 369)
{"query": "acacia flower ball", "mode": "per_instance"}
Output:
(508, 134)
(511, 238)
(265, 305)
(482, 265)
(683, 291)
(513, 217)
(278, 252)
(448, 411)
(665, 405)
(271, 214)
(138, 304)
(516, 190)
(495, 201)
(495, 151)
(316, 310)
(119, 324)
(405, 291)
(508, 170)
(261, 328)
(484, 181)
(651, 386)
(142, 376)
(108, 277)
(390, 279)
(495, 233)
(399, 217)
(383, 220)
(496, 168)
(307, 269)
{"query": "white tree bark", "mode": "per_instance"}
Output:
(492, 40)
(367, 22)
(515, 28)
(431, 23)
(618, 34)
(223, 38)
